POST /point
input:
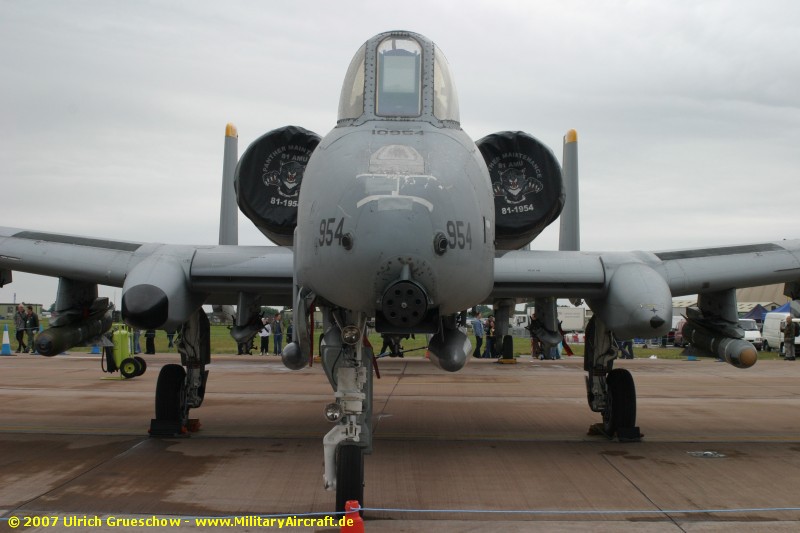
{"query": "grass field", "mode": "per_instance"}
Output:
(222, 343)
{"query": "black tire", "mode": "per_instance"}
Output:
(129, 368)
(169, 392)
(142, 365)
(508, 347)
(349, 476)
(766, 347)
(620, 411)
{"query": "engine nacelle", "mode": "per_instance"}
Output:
(156, 294)
(450, 349)
(268, 179)
(638, 303)
(527, 185)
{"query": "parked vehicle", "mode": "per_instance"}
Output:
(772, 334)
(751, 332)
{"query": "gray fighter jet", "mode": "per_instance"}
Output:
(398, 216)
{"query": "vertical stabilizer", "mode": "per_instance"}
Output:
(228, 211)
(569, 238)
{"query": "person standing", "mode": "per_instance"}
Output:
(263, 334)
(477, 328)
(490, 338)
(32, 325)
(19, 328)
(277, 333)
(625, 348)
(150, 341)
(534, 325)
(789, 333)
(170, 338)
(137, 347)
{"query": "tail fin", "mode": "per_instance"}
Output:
(229, 212)
(569, 238)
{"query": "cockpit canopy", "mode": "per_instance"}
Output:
(399, 76)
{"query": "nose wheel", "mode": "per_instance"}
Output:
(349, 476)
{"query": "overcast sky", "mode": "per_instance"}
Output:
(688, 113)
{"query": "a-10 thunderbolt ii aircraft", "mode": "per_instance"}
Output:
(399, 216)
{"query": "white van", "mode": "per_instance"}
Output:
(773, 336)
(751, 332)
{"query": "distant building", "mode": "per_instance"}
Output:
(767, 296)
(7, 310)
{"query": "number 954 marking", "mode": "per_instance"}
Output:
(459, 234)
(329, 231)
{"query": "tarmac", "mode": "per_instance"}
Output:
(490, 448)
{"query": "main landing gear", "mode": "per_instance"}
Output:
(182, 387)
(610, 391)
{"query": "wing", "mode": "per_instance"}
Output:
(632, 291)
(168, 281)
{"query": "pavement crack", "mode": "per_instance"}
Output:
(643, 493)
(376, 420)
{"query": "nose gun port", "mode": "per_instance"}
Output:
(405, 307)
(404, 304)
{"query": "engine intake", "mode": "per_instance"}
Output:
(268, 180)
(528, 187)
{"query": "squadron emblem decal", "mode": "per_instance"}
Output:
(526, 183)
(514, 186)
(288, 178)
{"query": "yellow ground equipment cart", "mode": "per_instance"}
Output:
(120, 355)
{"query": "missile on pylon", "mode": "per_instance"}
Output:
(737, 352)
(56, 340)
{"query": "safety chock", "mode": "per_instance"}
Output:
(353, 523)
(167, 428)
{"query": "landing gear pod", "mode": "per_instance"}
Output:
(527, 185)
(268, 179)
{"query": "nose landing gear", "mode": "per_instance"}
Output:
(348, 365)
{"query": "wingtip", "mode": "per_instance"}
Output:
(230, 130)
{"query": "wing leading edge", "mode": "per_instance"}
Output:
(530, 274)
(631, 292)
(209, 274)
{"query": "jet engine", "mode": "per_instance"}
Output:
(527, 185)
(156, 293)
(638, 302)
(268, 179)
